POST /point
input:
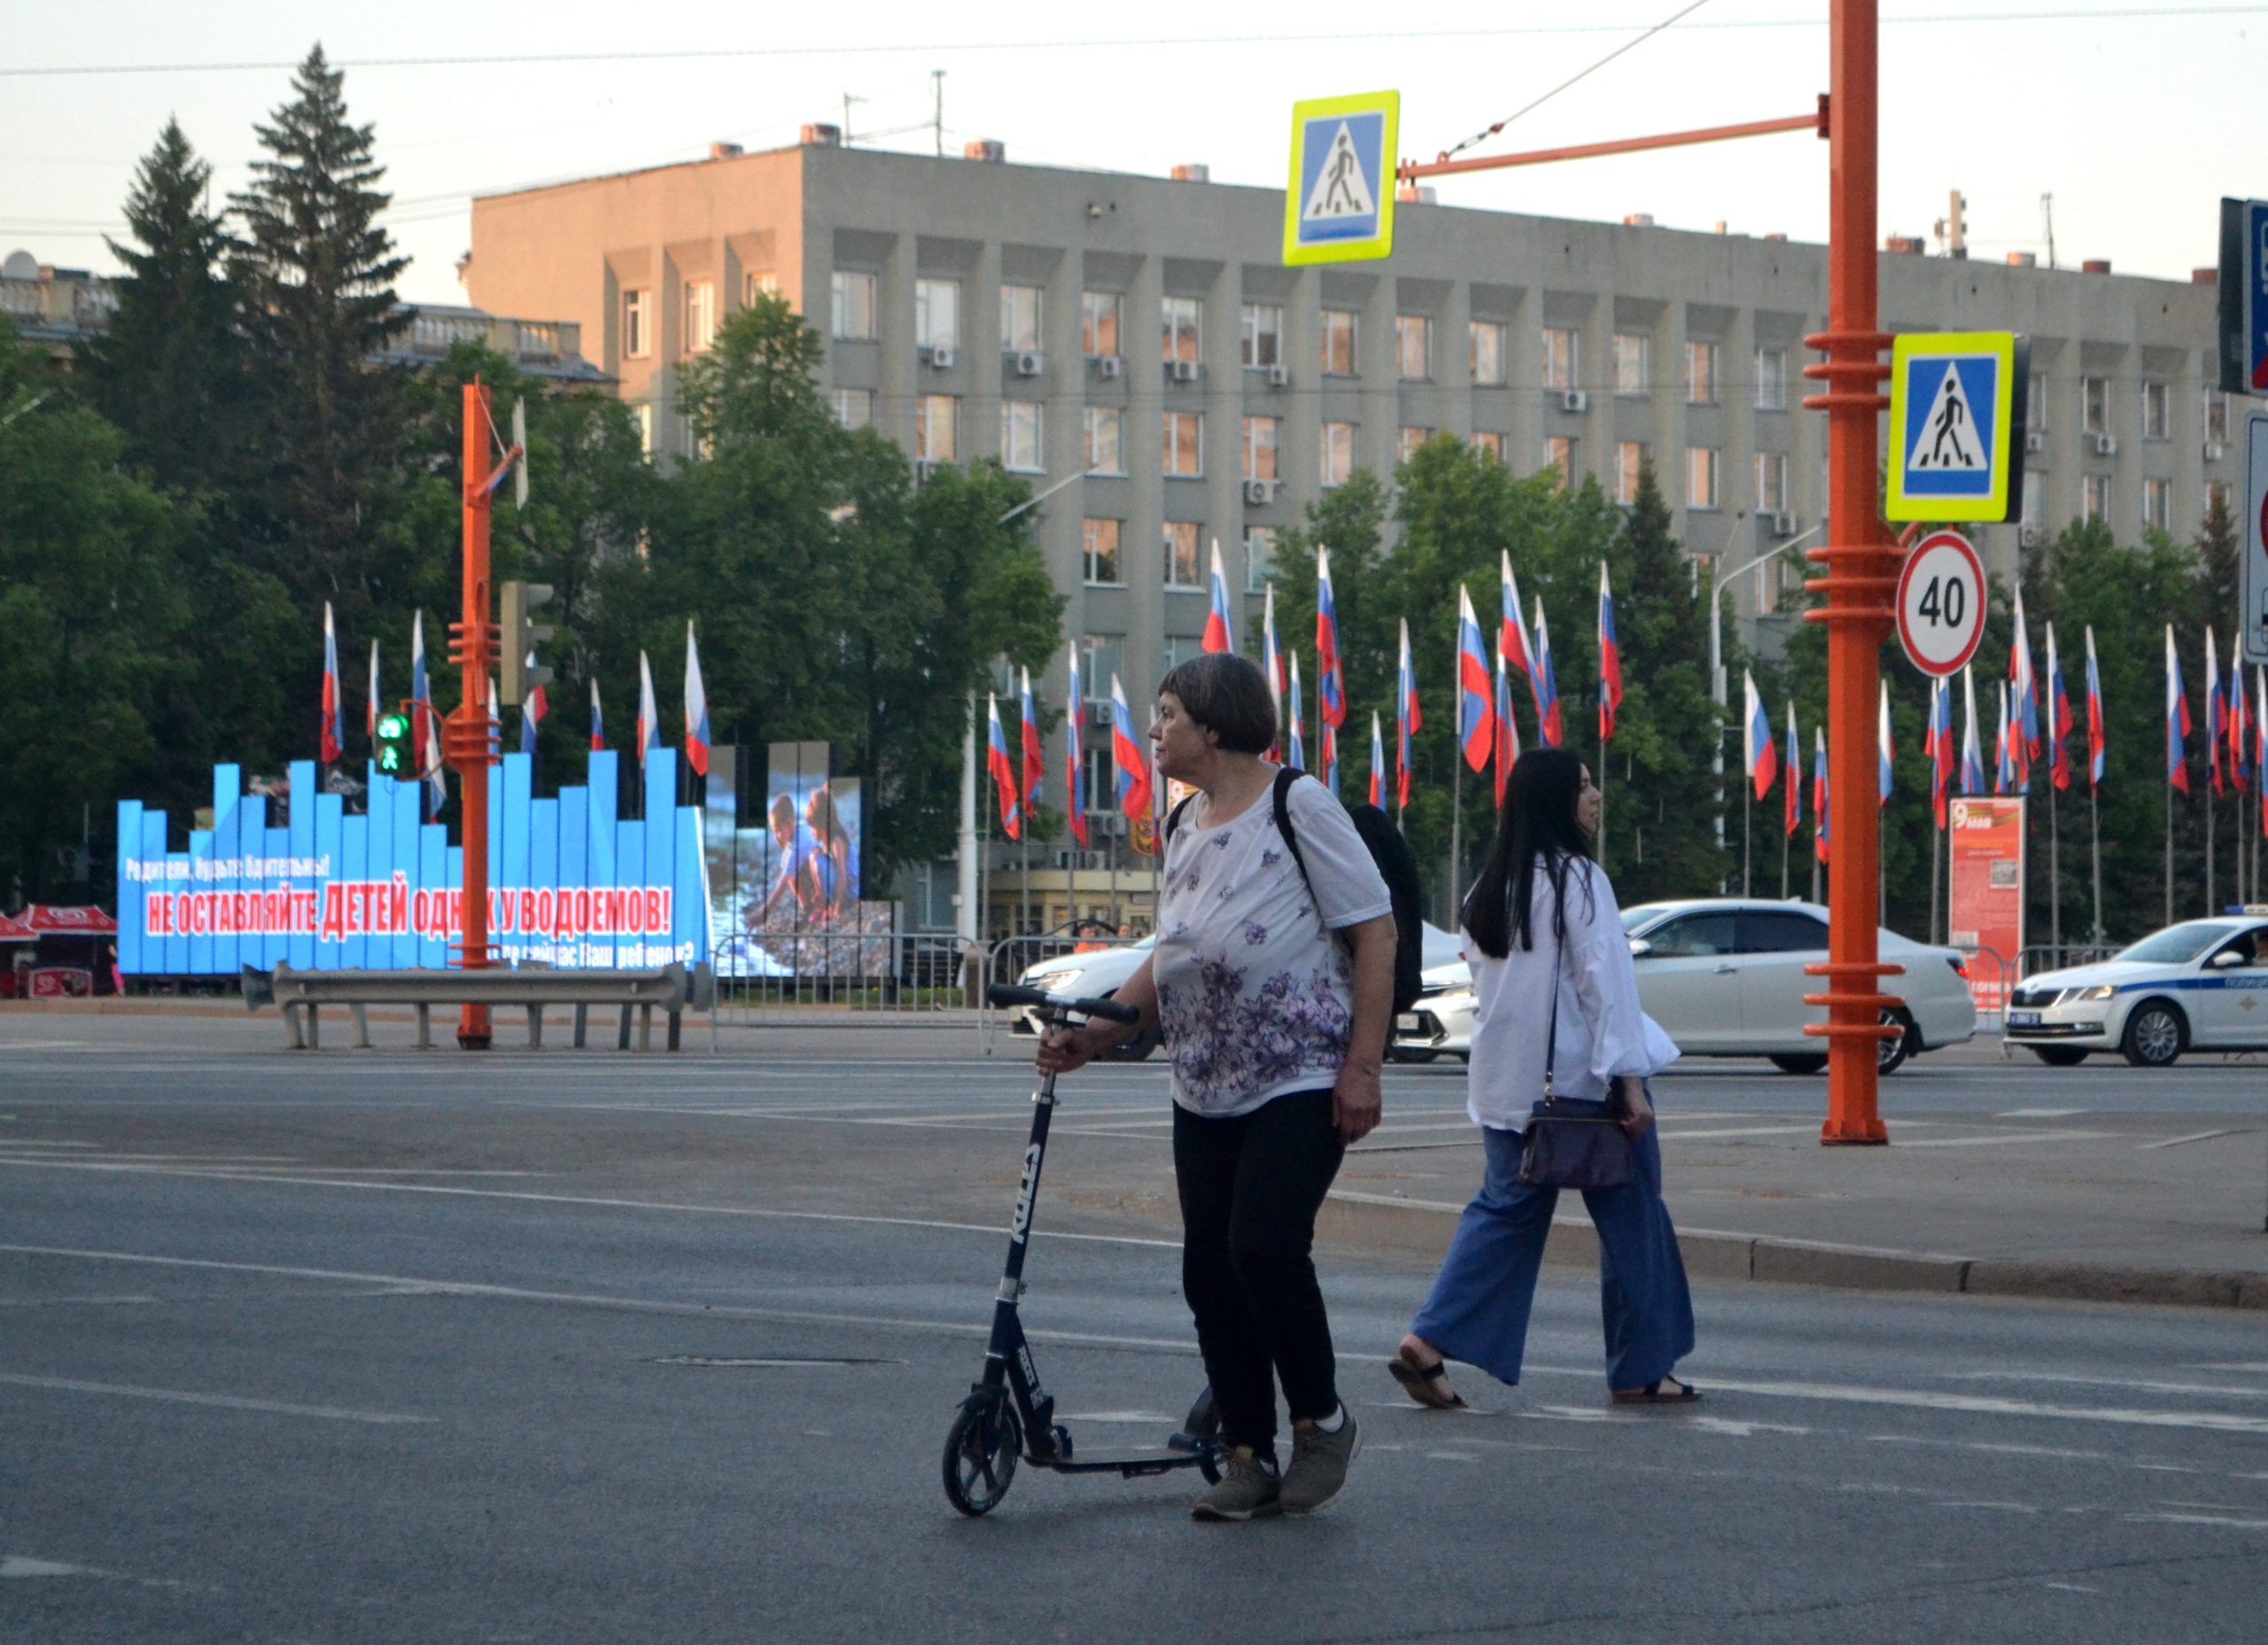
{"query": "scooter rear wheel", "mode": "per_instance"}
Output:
(981, 1449)
(1203, 1425)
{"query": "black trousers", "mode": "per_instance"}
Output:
(1250, 1188)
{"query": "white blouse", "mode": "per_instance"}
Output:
(1256, 995)
(1603, 1034)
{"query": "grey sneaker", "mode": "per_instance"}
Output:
(1248, 1489)
(1318, 1469)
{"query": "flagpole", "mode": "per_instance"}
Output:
(1937, 880)
(1598, 846)
(2055, 870)
(2169, 852)
(2095, 832)
(1457, 822)
(2208, 847)
(1747, 794)
(1786, 839)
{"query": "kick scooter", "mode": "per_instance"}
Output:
(1009, 1414)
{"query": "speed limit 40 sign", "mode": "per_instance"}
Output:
(1941, 604)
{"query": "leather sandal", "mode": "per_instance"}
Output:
(1655, 1393)
(1428, 1384)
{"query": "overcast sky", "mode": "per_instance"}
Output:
(2136, 118)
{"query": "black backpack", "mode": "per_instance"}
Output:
(1397, 865)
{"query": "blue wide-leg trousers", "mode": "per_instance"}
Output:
(1478, 1311)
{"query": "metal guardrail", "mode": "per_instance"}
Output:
(1009, 958)
(819, 977)
(2037, 957)
(672, 989)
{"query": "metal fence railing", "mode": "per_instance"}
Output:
(2037, 957)
(1007, 960)
(815, 978)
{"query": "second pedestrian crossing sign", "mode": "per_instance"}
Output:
(1338, 202)
(1957, 405)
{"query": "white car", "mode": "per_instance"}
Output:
(1099, 973)
(2202, 985)
(1725, 977)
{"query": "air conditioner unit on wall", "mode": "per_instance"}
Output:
(1109, 825)
(1030, 363)
(1573, 400)
(1279, 376)
(2106, 444)
(921, 467)
(1098, 713)
(2215, 451)
(1259, 491)
(2027, 536)
(937, 356)
(1783, 526)
(2035, 440)
(1108, 366)
(1181, 370)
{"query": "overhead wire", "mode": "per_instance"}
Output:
(1487, 132)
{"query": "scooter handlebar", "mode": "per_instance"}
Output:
(1007, 993)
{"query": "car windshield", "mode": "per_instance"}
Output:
(2175, 944)
(1632, 918)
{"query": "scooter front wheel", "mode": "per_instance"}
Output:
(981, 1451)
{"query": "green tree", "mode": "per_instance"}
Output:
(315, 274)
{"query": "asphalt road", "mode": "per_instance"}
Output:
(390, 1349)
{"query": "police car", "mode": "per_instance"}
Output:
(2202, 985)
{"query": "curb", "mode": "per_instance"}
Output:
(1422, 1227)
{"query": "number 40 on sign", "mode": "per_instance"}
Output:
(1941, 604)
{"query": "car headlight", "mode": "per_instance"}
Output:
(1062, 982)
(2099, 991)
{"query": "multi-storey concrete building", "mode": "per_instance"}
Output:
(1140, 338)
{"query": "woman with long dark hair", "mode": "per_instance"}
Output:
(1552, 974)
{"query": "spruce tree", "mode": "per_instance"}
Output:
(168, 371)
(315, 273)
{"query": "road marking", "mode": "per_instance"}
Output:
(2196, 1519)
(2199, 1136)
(2037, 1114)
(25, 1142)
(993, 1230)
(226, 1401)
(2020, 1137)
(2109, 1382)
(2004, 1508)
(2071, 1587)
(67, 1302)
(1451, 1456)
(1738, 1429)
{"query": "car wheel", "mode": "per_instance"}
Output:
(1893, 1054)
(2059, 1056)
(1800, 1062)
(2156, 1034)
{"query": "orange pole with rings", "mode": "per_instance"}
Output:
(1860, 565)
(468, 736)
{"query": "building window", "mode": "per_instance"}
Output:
(1701, 374)
(1771, 379)
(2094, 497)
(757, 286)
(637, 325)
(2094, 403)
(1183, 435)
(1774, 578)
(1100, 538)
(1632, 366)
(1260, 336)
(1181, 554)
(1559, 456)
(1098, 324)
(854, 298)
(1772, 482)
(1021, 445)
(854, 407)
(937, 313)
(1700, 476)
(1105, 439)
(1339, 342)
(1259, 557)
(2155, 411)
(2217, 416)
(933, 417)
(2157, 503)
(2035, 402)
(700, 315)
(1629, 458)
(1485, 346)
(1337, 452)
(1180, 324)
(1102, 658)
(1413, 347)
(1260, 436)
(1489, 443)
(2035, 499)
(1406, 443)
(1019, 319)
(1561, 357)
(644, 412)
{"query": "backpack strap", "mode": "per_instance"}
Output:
(1285, 778)
(1173, 817)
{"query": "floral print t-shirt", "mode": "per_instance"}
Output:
(1256, 995)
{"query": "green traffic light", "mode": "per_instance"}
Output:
(391, 727)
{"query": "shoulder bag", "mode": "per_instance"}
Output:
(1574, 1142)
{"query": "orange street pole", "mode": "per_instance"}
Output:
(1410, 171)
(1860, 580)
(467, 734)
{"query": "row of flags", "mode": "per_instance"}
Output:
(425, 720)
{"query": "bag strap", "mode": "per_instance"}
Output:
(1285, 778)
(1551, 1040)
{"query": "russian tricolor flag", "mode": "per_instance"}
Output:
(2176, 717)
(1791, 798)
(1075, 792)
(1377, 762)
(1476, 688)
(371, 728)
(1972, 758)
(1938, 746)
(533, 707)
(598, 721)
(1512, 638)
(696, 709)
(1035, 756)
(2217, 723)
(2059, 718)
(1508, 731)
(1217, 636)
(2098, 741)
(1405, 717)
(1548, 726)
(1818, 792)
(1298, 749)
(1610, 661)
(1003, 770)
(1272, 658)
(1759, 761)
(334, 727)
(2006, 743)
(1132, 764)
(1330, 679)
(649, 718)
(2026, 708)
(424, 724)
(1881, 745)
(1328, 738)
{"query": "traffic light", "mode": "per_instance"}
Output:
(394, 759)
(517, 641)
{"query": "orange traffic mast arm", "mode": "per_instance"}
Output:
(1410, 171)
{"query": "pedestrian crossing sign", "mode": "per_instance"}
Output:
(1956, 403)
(1338, 205)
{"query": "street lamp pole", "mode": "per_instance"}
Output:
(1717, 682)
